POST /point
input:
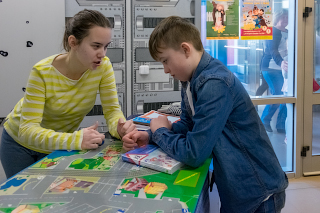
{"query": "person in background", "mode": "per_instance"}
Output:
(61, 91)
(263, 87)
(217, 118)
(272, 64)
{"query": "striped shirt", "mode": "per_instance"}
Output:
(47, 117)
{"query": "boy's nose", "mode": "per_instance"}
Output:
(166, 70)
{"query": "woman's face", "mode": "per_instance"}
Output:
(93, 48)
(283, 23)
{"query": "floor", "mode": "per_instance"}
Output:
(302, 194)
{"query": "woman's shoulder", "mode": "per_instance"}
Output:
(42, 64)
(105, 64)
(106, 60)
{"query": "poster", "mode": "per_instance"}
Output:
(222, 19)
(256, 20)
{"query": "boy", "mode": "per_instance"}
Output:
(217, 117)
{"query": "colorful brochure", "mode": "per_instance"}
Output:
(151, 156)
(256, 20)
(222, 19)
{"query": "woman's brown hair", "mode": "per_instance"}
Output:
(81, 23)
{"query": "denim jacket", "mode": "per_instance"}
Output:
(226, 125)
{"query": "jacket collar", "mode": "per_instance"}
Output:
(204, 62)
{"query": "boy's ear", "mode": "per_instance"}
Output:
(72, 41)
(186, 48)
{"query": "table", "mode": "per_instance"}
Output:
(99, 181)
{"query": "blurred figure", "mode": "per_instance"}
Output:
(272, 64)
(263, 87)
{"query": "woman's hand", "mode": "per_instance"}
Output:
(284, 65)
(91, 137)
(135, 139)
(124, 128)
(161, 121)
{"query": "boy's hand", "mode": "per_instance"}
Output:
(124, 128)
(161, 121)
(135, 139)
(91, 137)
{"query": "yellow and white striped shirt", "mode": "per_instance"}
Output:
(54, 105)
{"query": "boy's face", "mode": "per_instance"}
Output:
(176, 63)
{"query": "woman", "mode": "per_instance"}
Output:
(61, 90)
(272, 64)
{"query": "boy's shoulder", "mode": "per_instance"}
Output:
(215, 69)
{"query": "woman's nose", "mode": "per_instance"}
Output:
(102, 52)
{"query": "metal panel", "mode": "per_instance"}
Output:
(145, 16)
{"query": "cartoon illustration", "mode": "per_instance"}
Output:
(135, 184)
(104, 160)
(65, 184)
(255, 19)
(153, 157)
(248, 19)
(14, 182)
(262, 20)
(62, 186)
(163, 160)
(26, 208)
(111, 154)
(155, 188)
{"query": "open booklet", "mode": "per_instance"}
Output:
(151, 156)
(147, 117)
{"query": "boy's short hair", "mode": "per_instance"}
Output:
(171, 32)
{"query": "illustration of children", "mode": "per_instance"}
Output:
(261, 12)
(249, 18)
(255, 15)
(248, 21)
(262, 21)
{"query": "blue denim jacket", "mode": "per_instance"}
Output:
(226, 125)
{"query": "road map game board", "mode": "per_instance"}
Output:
(99, 181)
